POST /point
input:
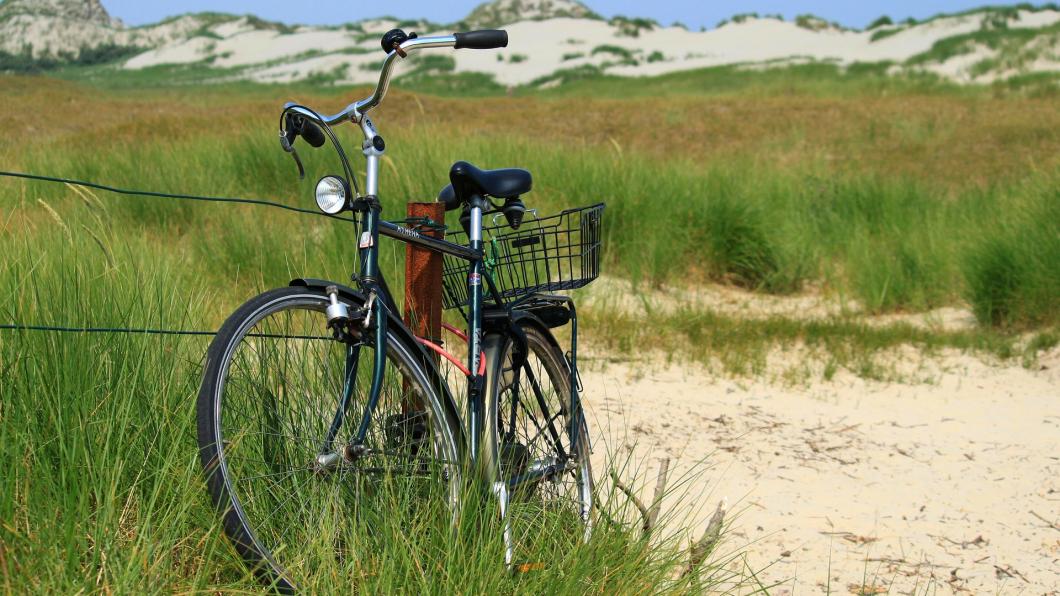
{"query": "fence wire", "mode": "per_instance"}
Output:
(167, 195)
(155, 195)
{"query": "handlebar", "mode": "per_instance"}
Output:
(403, 45)
(299, 120)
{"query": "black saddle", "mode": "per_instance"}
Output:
(467, 181)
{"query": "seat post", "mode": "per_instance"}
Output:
(475, 230)
(474, 323)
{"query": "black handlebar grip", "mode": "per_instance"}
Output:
(312, 134)
(486, 39)
(296, 125)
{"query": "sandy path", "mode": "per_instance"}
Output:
(899, 486)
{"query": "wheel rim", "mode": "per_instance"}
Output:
(282, 378)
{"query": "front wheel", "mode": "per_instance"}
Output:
(544, 483)
(279, 411)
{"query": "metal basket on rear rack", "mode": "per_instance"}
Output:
(547, 254)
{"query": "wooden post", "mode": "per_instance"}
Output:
(423, 278)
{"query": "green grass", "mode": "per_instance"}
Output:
(892, 244)
(885, 33)
(817, 79)
(1011, 269)
(814, 79)
(103, 491)
(903, 193)
(997, 11)
(25, 62)
(883, 21)
(611, 49)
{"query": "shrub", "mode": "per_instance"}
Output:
(631, 27)
(616, 50)
(104, 54)
(373, 66)
(25, 62)
(739, 18)
(880, 22)
(261, 24)
(814, 23)
(884, 34)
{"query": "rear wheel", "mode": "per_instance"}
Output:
(299, 507)
(545, 486)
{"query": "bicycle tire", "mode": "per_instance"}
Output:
(271, 441)
(529, 535)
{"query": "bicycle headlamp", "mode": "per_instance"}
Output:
(332, 194)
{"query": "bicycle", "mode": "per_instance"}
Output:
(317, 400)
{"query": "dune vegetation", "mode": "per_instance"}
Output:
(895, 196)
(901, 199)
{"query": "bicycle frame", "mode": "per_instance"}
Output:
(373, 284)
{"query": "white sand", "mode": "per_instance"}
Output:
(245, 46)
(900, 486)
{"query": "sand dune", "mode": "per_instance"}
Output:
(541, 48)
(547, 38)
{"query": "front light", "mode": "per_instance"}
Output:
(332, 194)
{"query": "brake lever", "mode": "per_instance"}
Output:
(285, 143)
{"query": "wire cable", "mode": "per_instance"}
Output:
(167, 195)
(101, 330)
(160, 195)
(132, 331)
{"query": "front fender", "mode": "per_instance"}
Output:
(393, 321)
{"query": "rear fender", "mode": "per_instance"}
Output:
(499, 324)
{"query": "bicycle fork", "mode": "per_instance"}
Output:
(374, 313)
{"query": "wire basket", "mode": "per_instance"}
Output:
(548, 254)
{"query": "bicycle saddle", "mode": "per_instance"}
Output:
(468, 181)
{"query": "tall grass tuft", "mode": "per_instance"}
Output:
(737, 244)
(1013, 271)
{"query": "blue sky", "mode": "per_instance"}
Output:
(690, 12)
